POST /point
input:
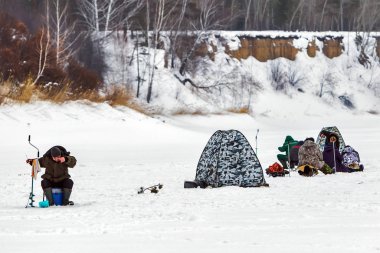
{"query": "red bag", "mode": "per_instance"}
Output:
(276, 170)
(276, 167)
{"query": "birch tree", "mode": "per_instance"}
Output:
(43, 50)
(62, 33)
(247, 13)
(260, 13)
(298, 8)
(89, 10)
(322, 15)
(43, 47)
(108, 15)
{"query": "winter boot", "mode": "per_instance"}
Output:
(49, 195)
(66, 197)
(284, 164)
(307, 171)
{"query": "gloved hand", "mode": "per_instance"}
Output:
(30, 161)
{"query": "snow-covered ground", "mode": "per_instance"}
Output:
(119, 150)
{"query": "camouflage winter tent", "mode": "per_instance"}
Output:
(321, 139)
(228, 159)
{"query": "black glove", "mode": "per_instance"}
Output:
(30, 161)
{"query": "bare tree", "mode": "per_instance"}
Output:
(121, 23)
(322, 15)
(89, 10)
(111, 13)
(175, 27)
(166, 16)
(61, 32)
(207, 19)
(260, 13)
(368, 15)
(327, 84)
(279, 79)
(43, 47)
(341, 14)
(295, 77)
(298, 8)
(247, 13)
(157, 26)
(105, 18)
(43, 50)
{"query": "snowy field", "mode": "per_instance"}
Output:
(119, 150)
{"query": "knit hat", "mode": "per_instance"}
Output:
(55, 152)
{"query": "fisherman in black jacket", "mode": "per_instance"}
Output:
(57, 161)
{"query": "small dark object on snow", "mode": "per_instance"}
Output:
(195, 184)
(190, 184)
(152, 189)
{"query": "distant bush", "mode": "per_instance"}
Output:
(20, 62)
(82, 78)
(118, 95)
(278, 76)
(28, 92)
(242, 110)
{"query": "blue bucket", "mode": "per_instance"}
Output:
(57, 196)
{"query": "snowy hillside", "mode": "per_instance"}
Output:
(119, 150)
(341, 83)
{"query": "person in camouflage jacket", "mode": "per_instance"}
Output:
(57, 161)
(310, 154)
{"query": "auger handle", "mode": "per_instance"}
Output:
(38, 151)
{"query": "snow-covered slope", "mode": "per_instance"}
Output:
(248, 83)
(119, 150)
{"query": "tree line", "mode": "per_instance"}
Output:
(290, 15)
